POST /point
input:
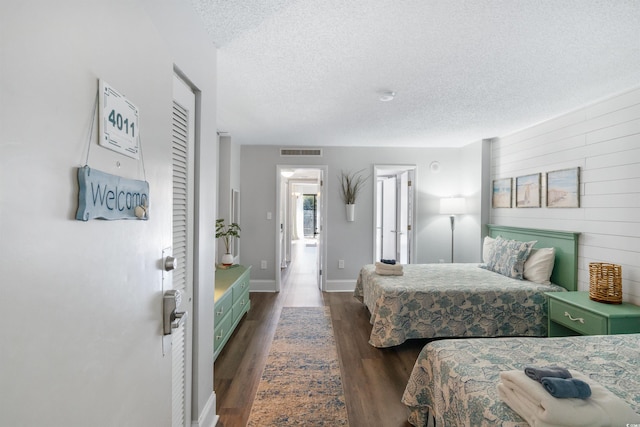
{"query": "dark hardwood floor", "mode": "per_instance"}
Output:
(373, 379)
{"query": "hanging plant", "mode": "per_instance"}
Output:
(351, 184)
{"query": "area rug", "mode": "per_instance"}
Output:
(301, 383)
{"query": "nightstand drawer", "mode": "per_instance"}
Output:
(582, 321)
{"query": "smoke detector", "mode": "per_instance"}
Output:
(387, 96)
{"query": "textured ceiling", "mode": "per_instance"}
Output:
(310, 73)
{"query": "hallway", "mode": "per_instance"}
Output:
(299, 282)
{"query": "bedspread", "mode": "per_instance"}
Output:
(455, 381)
(450, 300)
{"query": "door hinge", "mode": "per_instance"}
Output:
(408, 183)
(409, 227)
(320, 273)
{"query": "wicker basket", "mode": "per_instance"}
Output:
(605, 282)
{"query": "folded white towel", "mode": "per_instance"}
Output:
(392, 267)
(540, 409)
(383, 272)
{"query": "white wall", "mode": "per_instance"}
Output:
(604, 141)
(460, 173)
(82, 342)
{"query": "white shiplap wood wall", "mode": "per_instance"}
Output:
(604, 141)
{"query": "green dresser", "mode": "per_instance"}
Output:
(231, 302)
(573, 313)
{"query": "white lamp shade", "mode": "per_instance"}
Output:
(453, 205)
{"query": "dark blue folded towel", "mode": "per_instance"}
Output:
(388, 261)
(566, 387)
(537, 373)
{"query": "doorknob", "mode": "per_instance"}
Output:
(170, 263)
(171, 317)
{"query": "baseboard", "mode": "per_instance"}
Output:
(263, 285)
(340, 285)
(208, 417)
(330, 286)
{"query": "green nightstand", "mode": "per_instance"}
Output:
(573, 313)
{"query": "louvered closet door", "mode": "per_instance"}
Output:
(183, 194)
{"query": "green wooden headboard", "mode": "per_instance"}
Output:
(565, 269)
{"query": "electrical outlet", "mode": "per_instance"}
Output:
(340, 263)
(263, 264)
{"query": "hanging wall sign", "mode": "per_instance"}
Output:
(106, 196)
(119, 128)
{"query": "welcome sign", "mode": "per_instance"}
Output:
(106, 196)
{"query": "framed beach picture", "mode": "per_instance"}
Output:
(501, 197)
(563, 188)
(528, 191)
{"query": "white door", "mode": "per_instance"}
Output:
(389, 218)
(394, 232)
(183, 127)
(320, 222)
(405, 215)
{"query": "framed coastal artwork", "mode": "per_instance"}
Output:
(528, 191)
(563, 188)
(501, 196)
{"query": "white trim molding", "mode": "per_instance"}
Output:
(208, 417)
(263, 285)
(340, 285)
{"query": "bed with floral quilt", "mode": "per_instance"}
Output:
(455, 381)
(493, 299)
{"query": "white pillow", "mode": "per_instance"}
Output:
(539, 265)
(487, 248)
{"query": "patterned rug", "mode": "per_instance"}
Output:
(301, 384)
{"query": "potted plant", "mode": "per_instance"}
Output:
(227, 232)
(350, 185)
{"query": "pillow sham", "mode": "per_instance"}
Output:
(509, 256)
(539, 265)
(487, 248)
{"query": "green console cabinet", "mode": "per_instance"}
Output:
(231, 302)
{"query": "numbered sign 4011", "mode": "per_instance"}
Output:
(119, 118)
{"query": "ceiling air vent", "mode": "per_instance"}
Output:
(306, 152)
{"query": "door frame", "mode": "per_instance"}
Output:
(384, 170)
(322, 242)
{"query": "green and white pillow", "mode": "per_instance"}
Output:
(508, 257)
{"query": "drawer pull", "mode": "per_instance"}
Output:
(574, 319)
(220, 336)
(218, 313)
